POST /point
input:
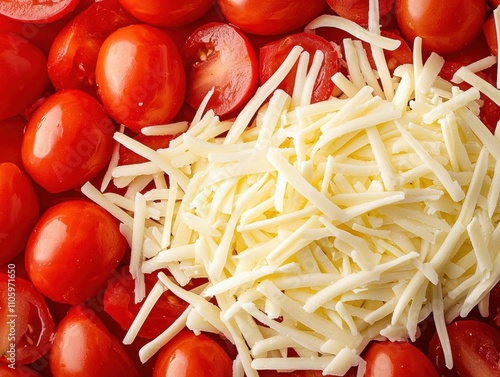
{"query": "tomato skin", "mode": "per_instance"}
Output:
(76, 236)
(220, 56)
(490, 33)
(167, 13)
(67, 141)
(34, 326)
(357, 10)
(445, 26)
(475, 347)
(12, 131)
(83, 347)
(140, 76)
(270, 17)
(19, 210)
(35, 11)
(273, 54)
(73, 56)
(23, 74)
(189, 355)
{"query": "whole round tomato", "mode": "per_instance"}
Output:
(444, 26)
(167, 13)
(27, 325)
(188, 355)
(397, 359)
(357, 10)
(68, 140)
(84, 347)
(23, 74)
(270, 17)
(19, 210)
(72, 251)
(140, 76)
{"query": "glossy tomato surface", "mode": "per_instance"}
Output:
(219, 56)
(19, 210)
(68, 141)
(72, 251)
(270, 17)
(140, 76)
(27, 326)
(84, 347)
(37, 11)
(444, 26)
(188, 355)
(23, 74)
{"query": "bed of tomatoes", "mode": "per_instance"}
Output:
(71, 71)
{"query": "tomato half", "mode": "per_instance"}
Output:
(37, 11)
(444, 26)
(84, 347)
(273, 54)
(357, 10)
(397, 359)
(72, 251)
(19, 210)
(167, 13)
(68, 141)
(188, 355)
(140, 76)
(220, 56)
(23, 74)
(270, 17)
(73, 56)
(475, 347)
(27, 325)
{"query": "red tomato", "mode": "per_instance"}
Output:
(444, 26)
(475, 347)
(218, 55)
(80, 238)
(73, 55)
(357, 10)
(119, 304)
(270, 17)
(494, 3)
(494, 305)
(402, 55)
(84, 347)
(23, 74)
(37, 11)
(140, 76)
(397, 359)
(68, 140)
(273, 54)
(19, 210)
(127, 157)
(27, 325)
(18, 371)
(167, 13)
(490, 33)
(12, 131)
(188, 355)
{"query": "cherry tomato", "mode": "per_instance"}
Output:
(357, 10)
(19, 210)
(140, 76)
(72, 251)
(128, 157)
(220, 56)
(73, 55)
(494, 306)
(68, 141)
(167, 13)
(397, 359)
(401, 55)
(270, 17)
(23, 74)
(27, 325)
(84, 347)
(18, 371)
(37, 11)
(444, 26)
(272, 56)
(475, 347)
(490, 33)
(12, 131)
(189, 355)
(494, 3)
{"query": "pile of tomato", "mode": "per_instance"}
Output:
(73, 71)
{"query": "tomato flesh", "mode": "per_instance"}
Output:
(37, 11)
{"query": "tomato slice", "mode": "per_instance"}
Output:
(475, 347)
(37, 11)
(220, 56)
(357, 10)
(273, 54)
(30, 327)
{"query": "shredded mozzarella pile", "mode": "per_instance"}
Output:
(320, 227)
